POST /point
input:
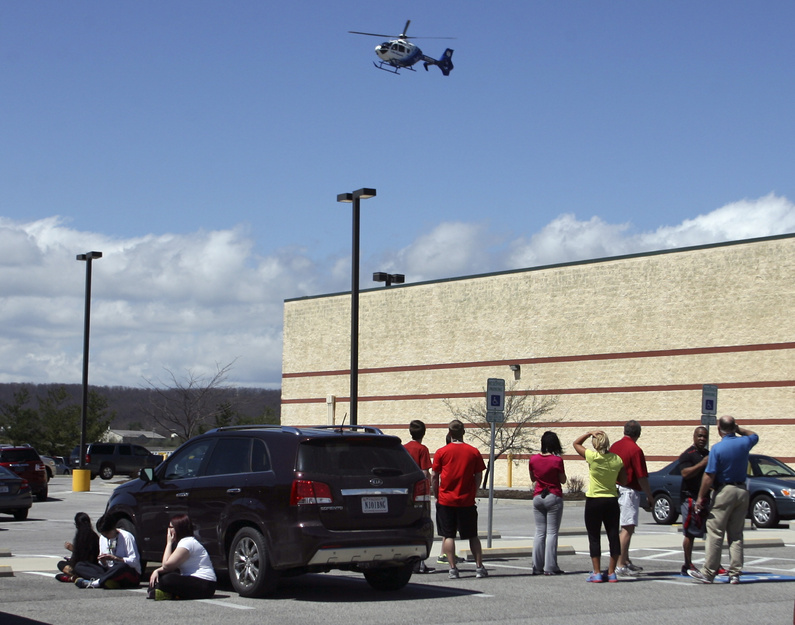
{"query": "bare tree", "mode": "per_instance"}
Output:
(184, 406)
(516, 435)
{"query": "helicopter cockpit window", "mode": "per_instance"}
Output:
(400, 47)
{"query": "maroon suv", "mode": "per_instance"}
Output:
(272, 501)
(26, 463)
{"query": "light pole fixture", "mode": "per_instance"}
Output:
(355, 198)
(389, 278)
(88, 257)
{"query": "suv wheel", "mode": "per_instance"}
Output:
(249, 569)
(389, 577)
(106, 471)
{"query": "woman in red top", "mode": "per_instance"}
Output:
(546, 470)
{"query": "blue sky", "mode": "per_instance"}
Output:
(201, 145)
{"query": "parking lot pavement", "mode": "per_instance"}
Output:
(27, 546)
(32, 549)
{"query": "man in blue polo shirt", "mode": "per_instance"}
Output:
(726, 472)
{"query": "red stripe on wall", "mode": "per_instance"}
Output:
(663, 353)
(565, 391)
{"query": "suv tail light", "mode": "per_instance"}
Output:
(88, 458)
(422, 491)
(309, 492)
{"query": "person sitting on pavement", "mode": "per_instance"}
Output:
(84, 548)
(119, 564)
(605, 470)
(186, 572)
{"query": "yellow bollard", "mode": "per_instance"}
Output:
(81, 480)
(510, 470)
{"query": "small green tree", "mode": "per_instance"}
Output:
(516, 435)
(19, 420)
(53, 426)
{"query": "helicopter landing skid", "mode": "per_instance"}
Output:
(392, 69)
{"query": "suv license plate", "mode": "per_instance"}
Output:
(374, 504)
(3, 488)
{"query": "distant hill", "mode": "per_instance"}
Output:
(126, 402)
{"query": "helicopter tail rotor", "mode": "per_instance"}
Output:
(445, 63)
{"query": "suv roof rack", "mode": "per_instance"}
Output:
(263, 426)
(350, 428)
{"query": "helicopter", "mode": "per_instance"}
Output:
(400, 53)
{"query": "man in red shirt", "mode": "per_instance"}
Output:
(629, 496)
(416, 449)
(457, 471)
(420, 454)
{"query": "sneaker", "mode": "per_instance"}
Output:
(688, 567)
(63, 577)
(623, 571)
(632, 567)
(150, 593)
(162, 595)
(699, 576)
(596, 578)
(721, 571)
(734, 579)
(85, 583)
(558, 572)
(481, 572)
(452, 573)
(112, 585)
(442, 559)
(423, 568)
(612, 578)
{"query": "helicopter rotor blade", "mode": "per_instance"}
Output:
(356, 32)
(405, 28)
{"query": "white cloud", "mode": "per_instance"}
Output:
(568, 239)
(198, 300)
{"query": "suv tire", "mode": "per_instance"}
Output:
(106, 471)
(249, 566)
(389, 577)
(43, 494)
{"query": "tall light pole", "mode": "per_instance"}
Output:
(88, 257)
(355, 197)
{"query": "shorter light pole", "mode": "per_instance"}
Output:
(389, 278)
(88, 257)
(355, 198)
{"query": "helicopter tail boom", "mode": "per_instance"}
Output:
(445, 63)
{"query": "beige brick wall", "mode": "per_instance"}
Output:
(424, 342)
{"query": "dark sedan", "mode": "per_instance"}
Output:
(15, 495)
(771, 484)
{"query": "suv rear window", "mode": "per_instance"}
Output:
(104, 450)
(18, 455)
(354, 456)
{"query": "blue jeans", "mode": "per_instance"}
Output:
(548, 513)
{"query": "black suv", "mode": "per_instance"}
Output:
(109, 459)
(26, 462)
(269, 501)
